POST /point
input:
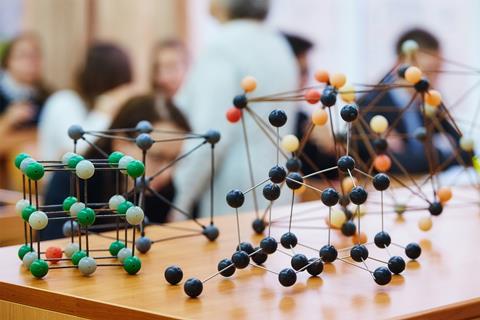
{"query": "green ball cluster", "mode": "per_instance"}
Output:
(124, 206)
(27, 211)
(35, 171)
(68, 202)
(114, 157)
(39, 268)
(77, 256)
(132, 265)
(135, 168)
(23, 250)
(19, 158)
(115, 247)
(86, 217)
(74, 160)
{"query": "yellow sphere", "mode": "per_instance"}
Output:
(319, 117)
(347, 93)
(248, 84)
(359, 238)
(348, 184)
(433, 98)
(379, 124)
(413, 74)
(425, 223)
(290, 143)
(467, 144)
(300, 190)
(338, 80)
(337, 219)
(430, 111)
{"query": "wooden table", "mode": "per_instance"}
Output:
(444, 283)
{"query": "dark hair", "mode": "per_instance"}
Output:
(106, 67)
(299, 45)
(424, 38)
(161, 45)
(248, 9)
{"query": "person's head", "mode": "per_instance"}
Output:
(226, 10)
(106, 67)
(22, 58)
(169, 66)
(300, 47)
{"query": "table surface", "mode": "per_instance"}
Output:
(443, 281)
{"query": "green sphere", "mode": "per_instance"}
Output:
(23, 251)
(86, 217)
(35, 171)
(77, 256)
(68, 202)
(74, 160)
(39, 268)
(115, 247)
(132, 265)
(135, 169)
(114, 157)
(19, 158)
(27, 211)
(123, 207)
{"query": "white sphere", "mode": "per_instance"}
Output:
(467, 144)
(123, 254)
(135, 215)
(85, 169)
(70, 249)
(123, 163)
(76, 208)
(38, 220)
(20, 205)
(409, 47)
(28, 259)
(115, 201)
(66, 157)
(25, 162)
(87, 266)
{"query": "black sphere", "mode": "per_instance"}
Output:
(344, 200)
(413, 250)
(329, 97)
(358, 195)
(328, 253)
(268, 245)
(277, 174)
(435, 208)
(212, 136)
(349, 112)
(144, 126)
(173, 275)
(346, 163)
(380, 145)
(288, 240)
(224, 264)
(193, 287)
(401, 70)
(258, 226)
(422, 85)
(315, 266)
(240, 101)
(396, 264)
(330, 197)
(382, 276)
(245, 246)
(299, 261)
(294, 180)
(381, 181)
(294, 165)
(235, 198)
(277, 118)
(259, 257)
(144, 141)
(211, 232)
(359, 253)
(271, 191)
(240, 259)
(382, 239)
(287, 277)
(349, 228)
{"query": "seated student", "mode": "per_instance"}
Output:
(403, 145)
(164, 118)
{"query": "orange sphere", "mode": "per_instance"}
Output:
(300, 190)
(348, 183)
(319, 117)
(248, 84)
(413, 75)
(382, 163)
(433, 98)
(322, 76)
(444, 194)
(359, 238)
(312, 96)
(338, 80)
(53, 253)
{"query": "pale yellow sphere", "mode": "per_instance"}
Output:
(467, 144)
(300, 190)
(425, 223)
(338, 80)
(433, 98)
(413, 75)
(379, 124)
(337, 219)
(348, 184)
(319, 117)
(248, 84)
(430, 111)
(347, 93)
(290, 143)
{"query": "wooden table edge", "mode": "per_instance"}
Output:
(467, 309)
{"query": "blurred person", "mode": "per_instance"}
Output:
(404, 146)
(243, 46)
(164, 118)
(103, 83)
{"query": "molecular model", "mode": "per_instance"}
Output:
(356, 176)
(125, 208)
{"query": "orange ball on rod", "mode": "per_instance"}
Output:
(322, 76)
(382, 163)
(248, 84)
(413, 75)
